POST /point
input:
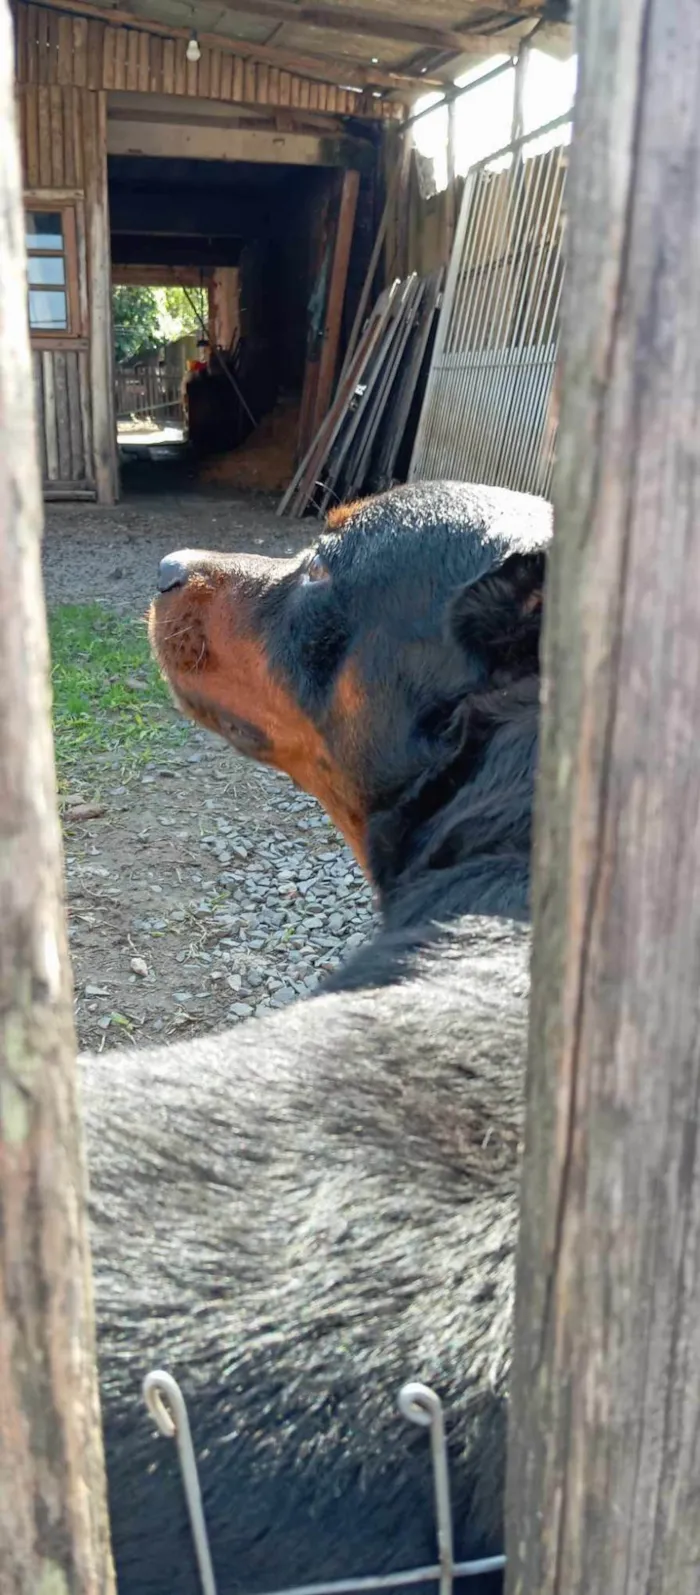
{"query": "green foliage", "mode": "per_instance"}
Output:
(145, 318)
(109, 698)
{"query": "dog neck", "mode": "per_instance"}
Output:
(458, 839)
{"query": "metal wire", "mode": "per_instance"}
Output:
(418, 1403)
(486, 408)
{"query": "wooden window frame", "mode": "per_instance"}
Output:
(70, 208)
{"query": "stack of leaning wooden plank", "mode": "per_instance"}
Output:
(365, 436)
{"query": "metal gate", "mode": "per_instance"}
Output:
(486, 413)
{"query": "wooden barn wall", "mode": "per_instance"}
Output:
(62, 133)
(56, 48)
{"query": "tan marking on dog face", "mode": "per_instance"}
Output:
(219, 672)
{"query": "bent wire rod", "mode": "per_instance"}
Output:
(417, 1402)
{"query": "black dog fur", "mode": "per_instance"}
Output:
(297, 1216)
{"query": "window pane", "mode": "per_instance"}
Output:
(44, 230)
(46, 269)
(48, 311)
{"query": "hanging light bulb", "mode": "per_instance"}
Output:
(193, 51)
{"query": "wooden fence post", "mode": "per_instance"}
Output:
(53, 1519)
(604, 1475)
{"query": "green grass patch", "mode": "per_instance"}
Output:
(110, 702)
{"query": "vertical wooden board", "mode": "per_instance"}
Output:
(44, 116)
(237, 78)
(132, 60)
(52, 60)
(204, 73)
(295, 90)
(120, 48)
(155, 68)
(60, 388)
(32, 45)
(249, 93)
(64, 64)
(42, 46)
(263, 83)
(31, 134)
(304, 93)
(79, 47)
(95, 53)
(144, 63)
(332, 97)
(215, 75)
(38, 375)
(99, 277)
(56, 126)
(285, 88)
(226, 75)
(108, 52)
(273, 87)
(67, 97)
(180, 66)
(83, 364)
(81, 249)
(313, 96)
(20, 30)
(191, 77)
(169, 66)
(75, 428)
(80, 97)
(49, 416)
(323, 97)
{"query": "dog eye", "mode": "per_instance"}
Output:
(316, 571)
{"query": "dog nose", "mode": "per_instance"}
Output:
(172, 572)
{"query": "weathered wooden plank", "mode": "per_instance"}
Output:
(50, 439)
(262, 85)
(44, 120)
(108, 54)
(204, 73)
(56, 132)
(81, 253)
(42, 45)
(52, 54)
(60, 387)
(322, 97)
(132, 61)
(144, 63)
(95, 52)
(180, 66)
(85, 413)
(192, 77)
(605, 1426)
(273, 86)
(237, 78)
(31, 128)
(215, 75)
(75, 429)
(313, 96)
(101, 352)
(120, 48)
(304, 93)
(285, 88)
(80, 27)
(295, 91)
(155, 71)
(38, 384)
(249, 88)
(20, 32)
(226, 75)
(328, 363)
(64, 64)
(67, 96)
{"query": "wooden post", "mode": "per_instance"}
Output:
(604, 1474)
(53, 1519)
(328, 362)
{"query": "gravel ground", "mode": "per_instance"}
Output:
(211, 888)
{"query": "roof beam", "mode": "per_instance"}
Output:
(370, 24)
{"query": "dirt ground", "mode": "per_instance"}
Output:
(210, 888)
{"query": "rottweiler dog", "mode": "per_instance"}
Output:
(296, 1217)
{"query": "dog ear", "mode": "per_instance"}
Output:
(499, 617)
